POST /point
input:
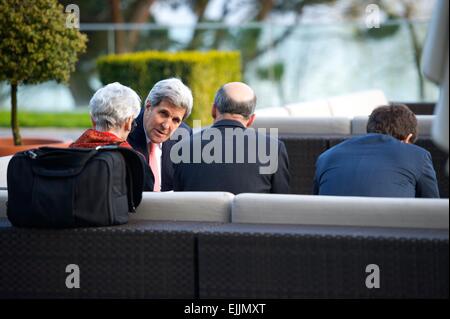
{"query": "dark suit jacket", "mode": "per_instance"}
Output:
(235, 177)
(138, 141)
(375, 165)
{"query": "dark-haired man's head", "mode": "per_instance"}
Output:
(236, 101)
(396, 120)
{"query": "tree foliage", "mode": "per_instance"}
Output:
(36, 46)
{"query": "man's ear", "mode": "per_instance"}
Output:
(128, 124)
(250, 120)
(407, 140)
(148, 105)
(214, 112)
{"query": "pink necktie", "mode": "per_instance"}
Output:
(153, 162)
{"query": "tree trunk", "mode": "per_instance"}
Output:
(285, 35)
(417, 49)
(14, 122)
(141, 12)
(221, 33)
(199, 10)
(117, 17)
(417, 57)
(265, 7)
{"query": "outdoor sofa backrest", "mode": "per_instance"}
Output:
(185, 206)
(305, 125)
(340, 211)
(330, 125)
(4, 160)
(173, 206)
(424, 123)
(289, 209)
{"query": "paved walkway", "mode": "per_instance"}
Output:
(50, 132)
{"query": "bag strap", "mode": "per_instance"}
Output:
(133, 199)
(52, 156)
(129, 179)
(58, 162)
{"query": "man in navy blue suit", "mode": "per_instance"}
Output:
(167, 105)
(230, 156)
(383, 163)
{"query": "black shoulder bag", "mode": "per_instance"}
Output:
(74, 187)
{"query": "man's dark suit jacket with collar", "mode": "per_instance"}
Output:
(138, 140)
(236, 178)
(376, 165)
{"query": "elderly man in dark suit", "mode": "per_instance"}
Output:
(383, 163)
(229, 156)
(167, 105)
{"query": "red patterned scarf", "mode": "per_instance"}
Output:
(92, 138)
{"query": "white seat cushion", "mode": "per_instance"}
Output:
(185, 206)
(340, 211)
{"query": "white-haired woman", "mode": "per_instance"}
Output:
(113, 109)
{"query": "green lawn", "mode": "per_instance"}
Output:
(35, 119)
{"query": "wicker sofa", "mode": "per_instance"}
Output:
(217, 245)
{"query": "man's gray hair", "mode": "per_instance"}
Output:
(112, 105)
(173, 91)
(225, 104)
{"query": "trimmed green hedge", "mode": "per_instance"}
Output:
(37, 119)
(203, 72)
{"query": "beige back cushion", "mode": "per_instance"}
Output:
(341, 211)
(348, 105)
(173, 206)
(4, 160)
(424, 123)
(318, 108)
(357, 104)
(185, 206)
(272, 111)
(305, 125)
(3, 200)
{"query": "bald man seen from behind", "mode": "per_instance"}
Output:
(229, 156)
